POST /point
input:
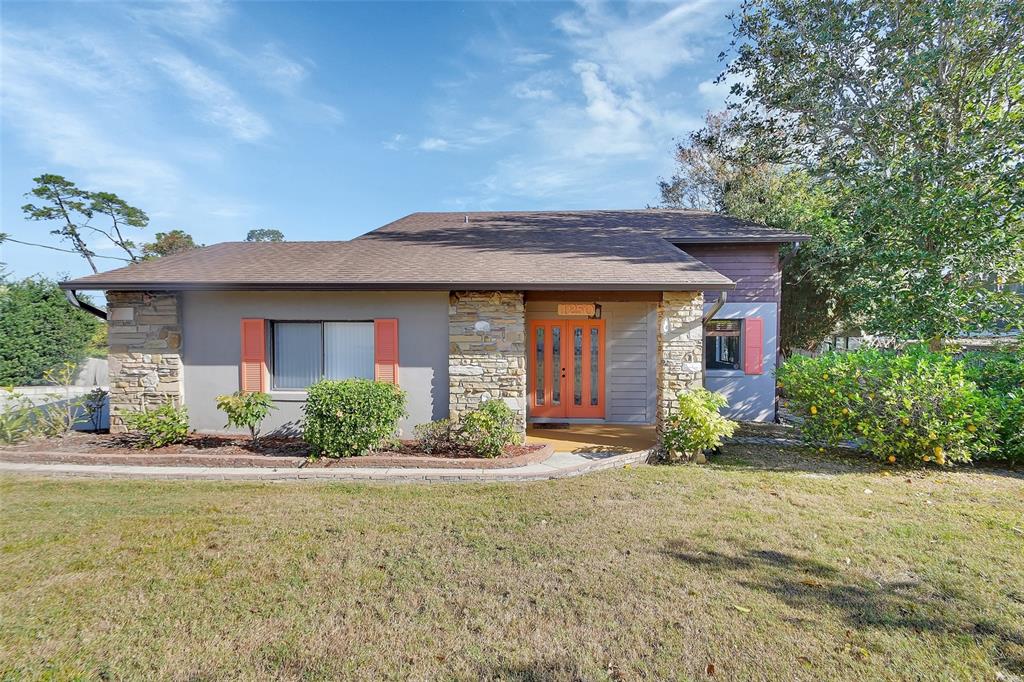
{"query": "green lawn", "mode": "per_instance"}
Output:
(764, 565)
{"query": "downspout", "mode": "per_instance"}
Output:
(73, 299)
(722, 297)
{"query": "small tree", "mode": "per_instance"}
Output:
(120, 214)
(168, 243)
(705, 170)
(74, 209)
(246, 409)
(265, 235)
(695, 426)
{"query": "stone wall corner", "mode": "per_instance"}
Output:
(144, 336)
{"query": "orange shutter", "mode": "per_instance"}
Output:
(385, 351)
(254, 355)
(753, 345)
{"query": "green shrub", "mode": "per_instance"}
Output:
(164, 425)
(439, 437)
(347, 418)
(490, 428)
(1001, 376)
(485, 431)
(696, 425)
(39, 330)
(17, 416)
(913, 406)
(246, 409)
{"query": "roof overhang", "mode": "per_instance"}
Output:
(774, 239)
(74, 285)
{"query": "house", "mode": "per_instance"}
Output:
(569, 316)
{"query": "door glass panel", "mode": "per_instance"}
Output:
(577, 365)
(556, 364)
(538, 367)
(595, 386)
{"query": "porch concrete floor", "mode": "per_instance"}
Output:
(594, 438)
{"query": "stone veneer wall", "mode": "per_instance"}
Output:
(487, 350)
(144, 335)
(680, 347)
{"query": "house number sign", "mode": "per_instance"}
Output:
(586, 309)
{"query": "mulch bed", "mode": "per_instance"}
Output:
(233, 451)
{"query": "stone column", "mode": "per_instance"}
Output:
(487, 351)
(680, 348)
(144, 335)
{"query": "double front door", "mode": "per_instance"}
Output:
(566, 369)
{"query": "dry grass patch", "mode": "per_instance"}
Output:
(652, 572)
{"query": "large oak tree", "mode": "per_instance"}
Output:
(909, 113)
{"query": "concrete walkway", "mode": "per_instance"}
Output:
(559, 465)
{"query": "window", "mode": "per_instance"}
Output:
(305, 352)
(722, 344)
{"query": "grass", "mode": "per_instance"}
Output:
(762, 565)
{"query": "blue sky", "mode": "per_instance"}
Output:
(326, 120)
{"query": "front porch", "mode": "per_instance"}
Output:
(603, 358)
(603, 439)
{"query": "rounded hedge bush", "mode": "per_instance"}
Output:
(490, 428)
(912, 407)
(350, 417)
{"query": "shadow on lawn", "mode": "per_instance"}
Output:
(811, 586)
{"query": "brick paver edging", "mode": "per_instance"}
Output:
(559, 465)
(535, 455)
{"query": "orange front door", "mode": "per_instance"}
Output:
(566, 369)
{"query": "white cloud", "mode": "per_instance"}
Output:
(713, 89)
(716, 91)
(631, 50)
(203, 25)
(605, 106)
(609, 124)
(44, 84)
(395, 142)
(538, 86)
(188, 18)
(523, 90)
(525, 57)
(435, 144)
(285, 73)
(219, 104)
(481, 132)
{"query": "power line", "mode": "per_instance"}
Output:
(55, 248)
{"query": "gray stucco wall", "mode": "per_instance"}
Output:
(751, 396)
(631, 390)
(211, 343)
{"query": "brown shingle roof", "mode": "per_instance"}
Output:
(494, 250)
